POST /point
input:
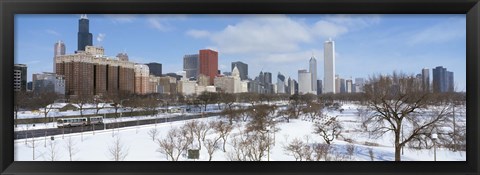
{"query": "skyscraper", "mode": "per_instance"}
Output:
(190, 65)
(359, 83)
(349, 86)
(84, 36)
(426, 79)
(304, 82)
(267, 77)
(155, 69)
(280, 83)
(208, 63)
(58, 49)
(343, 87)
(442, 80)
(319, 87)
(20, 77)
(313, 71)
(450, 82)
(329, 67)
(242, 68)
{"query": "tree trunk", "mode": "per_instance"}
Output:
(398, 147)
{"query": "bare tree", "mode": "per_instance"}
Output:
(99, 103)
(118, 151)
(81, 101)
(45, 102)
(192, 127)
(299, 150)
(70, 146)
(53, 154)
(224, 130)
(328, 128)
(153, 133)
(313, 110)
(250, 146)
(262, 118)
(397, 100)
(206, 98)
(175, 143)
(350, 150)
(211, 145)
(370, 153)
(322, 151)
(22, 100)
(32, 145)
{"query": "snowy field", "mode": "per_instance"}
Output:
(94, 146)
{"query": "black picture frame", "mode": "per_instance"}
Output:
(8, 8)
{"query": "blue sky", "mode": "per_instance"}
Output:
(365, 44)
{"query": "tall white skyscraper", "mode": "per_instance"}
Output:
(304, 82)
(58, 49)
(329, 69)
(313, 71)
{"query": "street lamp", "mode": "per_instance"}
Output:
(434, 139)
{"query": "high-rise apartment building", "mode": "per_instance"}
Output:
(58, 49)
(442, 80)
(329, 66)
(242, 68)
(208, 64)
(89, 74)
(304, 82)
(142, 73)
(155, 69)
(313, 71)
(20, 77)
(190, 66)
(84, 36)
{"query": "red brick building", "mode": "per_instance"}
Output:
(208, 63)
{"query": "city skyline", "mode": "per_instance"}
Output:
(287, 55)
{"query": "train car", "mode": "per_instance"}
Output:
(84, 121)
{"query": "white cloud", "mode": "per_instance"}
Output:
(121, 18)
(272, 34)
(158, 24)
(262, 34)
(101, 37)
(198, 33)
(328, 29)
(161, 22)
(52, 32)
(440, 33)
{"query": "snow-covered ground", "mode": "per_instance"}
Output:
(94, 146)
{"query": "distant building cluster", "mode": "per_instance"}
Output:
(89, 71)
